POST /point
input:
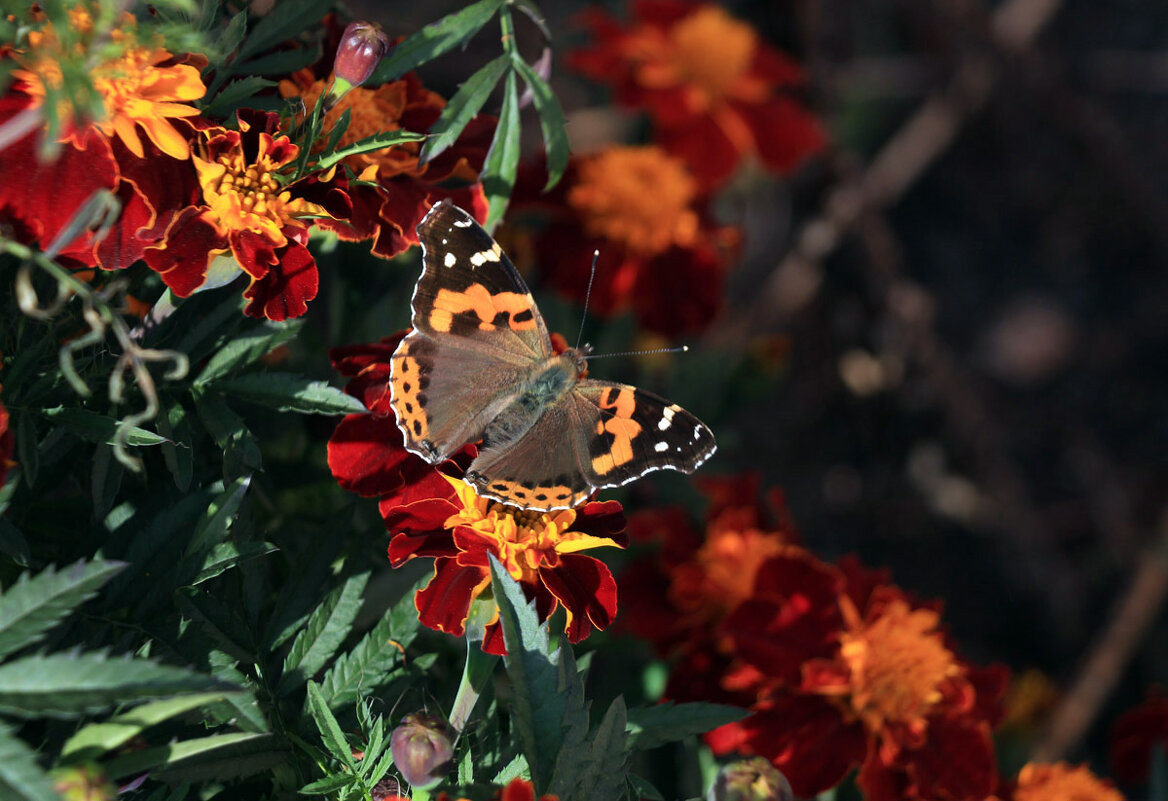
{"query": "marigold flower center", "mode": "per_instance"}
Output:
(712, 50)
(898, 662)
(638, 196)
(722, 572)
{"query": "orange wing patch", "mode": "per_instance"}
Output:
(407, 385)
(621, 426)
(530, 496)
(514, 310)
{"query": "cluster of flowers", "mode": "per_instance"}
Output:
(839, 667)
(200, 202)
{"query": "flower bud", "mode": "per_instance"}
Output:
(82, 783)
(422, 751)
(363, 45)
(754, 779)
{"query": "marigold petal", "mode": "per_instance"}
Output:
(168, 140)
(444, 603)
(586, 589)
(285, 290)
(127, 132)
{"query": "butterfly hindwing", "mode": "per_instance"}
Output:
(469, 289)
(634, 432)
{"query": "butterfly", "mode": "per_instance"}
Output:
(479, 366)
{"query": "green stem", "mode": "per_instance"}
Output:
(478, 668)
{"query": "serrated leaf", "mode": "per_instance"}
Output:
(233, 34)
(462, 107)
(105, 480)
(178, 452)
(378, 141)
(330, 731)
(219, 517)
(328, 785)
(227, 555)
(247, 348)
(220, 757)
(241, 450)
(652, 726)
(551, 121)
(293, 17)
(219, 621)
(365, 667)
(20, 777)
(65, 685)
(435, 39)
(13, 543)
(601, 773)
(33, 605)
(339, 128)
(502, 162)
(547, 702)
(96, 739)
(287, 392)
(99, 428)
(642, 789)
(236, 94)
(326, 629)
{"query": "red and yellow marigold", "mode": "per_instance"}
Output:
(143, 88)
(1060, 782)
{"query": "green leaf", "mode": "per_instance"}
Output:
(329, 785)
(287, 392)
(247, 348)
(378, 141)
(642, 789)
(602, 773)
(281, 62)
(330, 731)
(338, 130)
(652, 726)
(241, 450)
(502, 161)
(219, 517)
(27, 448)
(547, 701)
(178, 451)
(367, 665)
(65, 685)
(232, 34)
(96, 739)
(462, 107)
(20, 778)
(293, 17)
(219, 757)
(106, 480)
(220, 622)
(33, 605)
(326, 629)
(227, 555)
(435, 39)
(551, 121)
(94, 427)
(235, 94)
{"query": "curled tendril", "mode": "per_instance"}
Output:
(101, 317)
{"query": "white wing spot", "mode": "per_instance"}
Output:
(666, 419)
(444, 240)
(661, 447)
(697, 432)
(463, 223)
(450, 259)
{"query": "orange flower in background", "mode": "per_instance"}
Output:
(660, 254)
(714, 90)
(397, 190)
(1060, 782)
(143, 87)
(250, 212)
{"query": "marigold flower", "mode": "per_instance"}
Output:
(248, 210)
(1062, 782)
(396, 190)
(431, 512)
(660, 253)
(714, 90)
(144, 87)
(1135, 734)
(37, 208)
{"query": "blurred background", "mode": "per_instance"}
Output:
(947, 338)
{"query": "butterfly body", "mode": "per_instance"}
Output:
(479, 366)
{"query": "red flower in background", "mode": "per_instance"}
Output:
(660, 254)
(7, 445)
(431, 512)
(250, 220)
(397, 190)
(1135, 734)
(1057, 782)
(715, 92)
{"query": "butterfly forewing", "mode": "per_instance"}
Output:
(471, 290)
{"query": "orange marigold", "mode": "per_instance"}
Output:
(1062, 782)
(143, 86)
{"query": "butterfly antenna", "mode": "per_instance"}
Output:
(587, 297)
(678, 349)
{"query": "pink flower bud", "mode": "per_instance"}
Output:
(422, 751)
(363, 45)
(754, 779)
